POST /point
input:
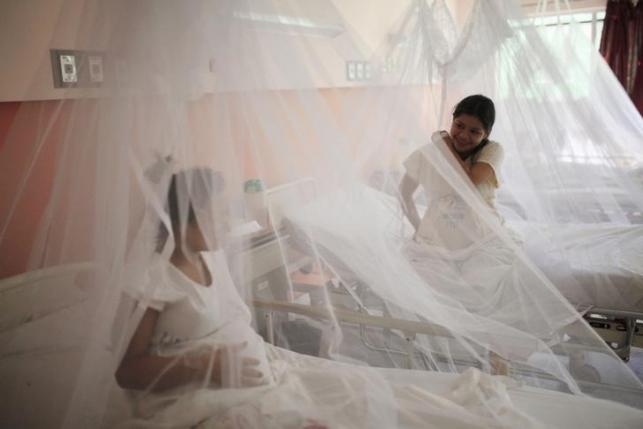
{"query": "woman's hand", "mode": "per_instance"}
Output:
(230, 369)
(448, 140)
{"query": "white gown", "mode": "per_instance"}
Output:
(304, 390)
(448, 221)
(192, 314)
(459, 256)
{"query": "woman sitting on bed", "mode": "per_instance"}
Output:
(195, 361)
(479, 158)
(454, 248)
(192, 298)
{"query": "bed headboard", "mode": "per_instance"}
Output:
(35, 308)
(39, 292)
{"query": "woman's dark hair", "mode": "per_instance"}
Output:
(203, 182)
(482, 108)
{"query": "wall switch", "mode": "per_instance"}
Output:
(95, 66)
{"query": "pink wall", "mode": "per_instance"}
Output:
(7, 113)
(17, 137)
(221, 130)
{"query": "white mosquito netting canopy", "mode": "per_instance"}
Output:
(233, 183)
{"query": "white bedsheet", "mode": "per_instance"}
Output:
(550, 408)
(593, 264)
(342, 396)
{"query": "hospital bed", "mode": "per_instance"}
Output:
(600, 271)
(39, 373)
(36, 307)
(602, 262)
(618, 319)
(620, 328)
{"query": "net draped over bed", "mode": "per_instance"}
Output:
(249, 119)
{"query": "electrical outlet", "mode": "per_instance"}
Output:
(64, 65)
(68, 70)
(358, 71)
(350, 70)
(77, 69)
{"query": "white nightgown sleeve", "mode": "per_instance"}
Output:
(154, 289)
(493, 155)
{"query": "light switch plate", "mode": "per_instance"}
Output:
(95, 66)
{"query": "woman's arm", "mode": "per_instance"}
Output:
(407, 188)
(139, 370)
(478, 172)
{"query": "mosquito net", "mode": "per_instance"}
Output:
(257, 219)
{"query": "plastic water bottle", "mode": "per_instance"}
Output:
(255, 198)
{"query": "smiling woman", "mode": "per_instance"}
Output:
(450, 232)
(473, 120)
(468, 140)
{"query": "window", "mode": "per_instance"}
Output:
(573, 38)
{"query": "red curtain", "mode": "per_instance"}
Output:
(637, 87)
(622, 45)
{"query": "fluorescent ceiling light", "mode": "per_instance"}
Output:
(295, 24)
